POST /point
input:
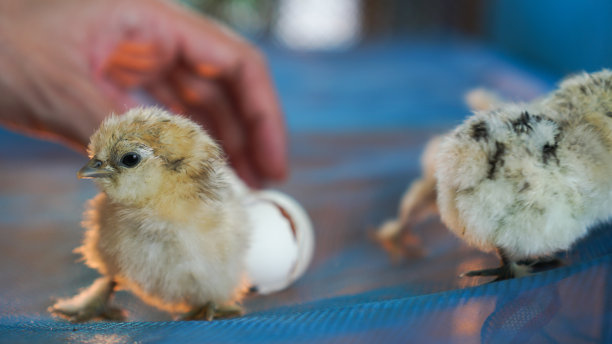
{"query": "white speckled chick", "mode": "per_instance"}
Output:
(529, 180)
(167, 225)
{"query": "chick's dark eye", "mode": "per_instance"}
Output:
(130, 159)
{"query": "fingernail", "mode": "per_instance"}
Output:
(208, 71)
(137, 48)
(132, 62)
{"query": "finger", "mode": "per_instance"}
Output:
(133, 64)
(90, 107)
(72, 105)
(243, 169)
(82, 113)
(126, 79)
(258, 111)
(167, 96)
(245, 74)
(208, 103)
(261, 114)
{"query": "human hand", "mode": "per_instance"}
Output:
(66, 64)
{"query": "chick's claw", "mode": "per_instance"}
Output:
(502, 273)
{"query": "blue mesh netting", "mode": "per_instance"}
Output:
(359, 121)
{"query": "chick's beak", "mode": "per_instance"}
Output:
(94, 169)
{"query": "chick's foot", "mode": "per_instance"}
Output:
(211, 311)
(510, 269)
(542, 264)
(398, 244)
(90, 303)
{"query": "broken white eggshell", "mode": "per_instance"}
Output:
(282, 242)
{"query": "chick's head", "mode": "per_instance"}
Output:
(149, 154)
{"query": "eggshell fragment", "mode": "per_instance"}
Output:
(282, 242)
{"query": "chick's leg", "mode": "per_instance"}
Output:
(418, 203)
(211, 311)
(90, 303)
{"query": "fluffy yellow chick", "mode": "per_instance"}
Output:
(167, 225)
(526, 180)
